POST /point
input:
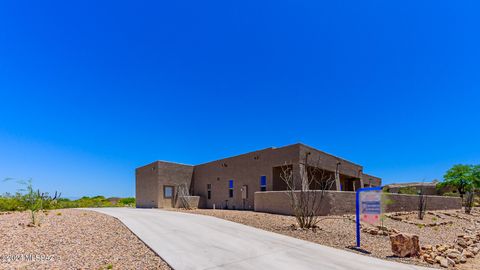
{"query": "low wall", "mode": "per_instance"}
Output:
(343, 202)
(403, 202)
(193, 201)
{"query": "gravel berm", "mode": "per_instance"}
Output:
(72, 239)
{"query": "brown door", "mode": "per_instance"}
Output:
(244, 195)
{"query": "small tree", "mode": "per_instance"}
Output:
(464, 178)
(304, 202)
(183, 194)
(35, 201)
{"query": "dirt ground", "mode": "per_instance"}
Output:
(72, 239)
(339, 231)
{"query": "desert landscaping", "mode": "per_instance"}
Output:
(72, 239)
(81, 239)
(448, 239)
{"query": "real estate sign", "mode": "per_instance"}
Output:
(369, 207)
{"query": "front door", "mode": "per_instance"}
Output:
(244, 195)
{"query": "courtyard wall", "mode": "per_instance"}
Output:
(343, 202)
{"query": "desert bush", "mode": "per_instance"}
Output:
(451, 194)
(9, 202)
(35, 201)
(130, 201)
(29, 198)
(408, 190)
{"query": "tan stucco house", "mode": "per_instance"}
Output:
(230, 183)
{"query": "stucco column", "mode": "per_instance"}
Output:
(360, 176)
(337, 177)
(304, 177)
(297, 176)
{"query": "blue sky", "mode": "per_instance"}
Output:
(90, 90)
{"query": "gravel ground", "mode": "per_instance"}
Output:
(72, 239)
(339, 231)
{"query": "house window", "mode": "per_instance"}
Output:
(263, 183)
(230, 188)
(167, 192)
(209, 191)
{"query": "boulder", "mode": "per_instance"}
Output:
(427, 247)
(467, 254)
(461, 242)
(405, 245)
(443, 261)
(430, 260)
(453, 253)
(441, 248)
(450, 262)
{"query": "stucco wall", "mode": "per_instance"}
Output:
(146, 186)
(371, 181)
(151, 179)
(338, 203)
(247, 169)
(329, 162)
(403, 202)
(244, 169)
(192, 201)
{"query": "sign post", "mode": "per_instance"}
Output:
(368, 207)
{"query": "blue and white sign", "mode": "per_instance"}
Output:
(369, 207)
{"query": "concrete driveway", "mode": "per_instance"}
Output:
(188, 241)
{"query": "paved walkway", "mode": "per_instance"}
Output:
(188, 241)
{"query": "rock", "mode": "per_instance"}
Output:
(427, 247)
(467, 254)
(430, 260)
(463, 259)
(461, 242)
(404, 244)
(475, 250)
(450, 262)
(453, 253)
(443, 262)
(441, 248)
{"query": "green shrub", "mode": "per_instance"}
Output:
(34, 199)
(127, 201)
(407, 190)
(10, 202)
(451, 194)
